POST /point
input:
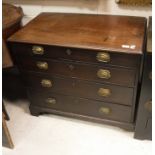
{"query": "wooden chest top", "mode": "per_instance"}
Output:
(98, 32)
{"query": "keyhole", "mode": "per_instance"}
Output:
(69, 52)
(71, 67)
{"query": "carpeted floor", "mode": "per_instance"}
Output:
(55, 135)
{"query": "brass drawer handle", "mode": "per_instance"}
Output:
(104, 74)
(46, 83)
(38, 50)
(42, 65)
(104, 92)
(50, 100)
(148, 106)
(105, 110)
(103, 57)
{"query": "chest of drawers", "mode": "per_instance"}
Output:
(143, 129)
(82, 66)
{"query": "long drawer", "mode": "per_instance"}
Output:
(81, 106)
(113, 75)
(91, 90)
(75, 54)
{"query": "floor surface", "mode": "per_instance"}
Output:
(55, 135)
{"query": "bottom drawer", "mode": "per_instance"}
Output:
(80, 106)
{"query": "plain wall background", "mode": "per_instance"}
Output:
(32, 8)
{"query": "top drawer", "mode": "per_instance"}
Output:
(74, 54)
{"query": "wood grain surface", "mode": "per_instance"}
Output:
(116, 33)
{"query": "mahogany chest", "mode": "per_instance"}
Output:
(82, 66)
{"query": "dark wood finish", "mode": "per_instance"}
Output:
(143, 128)
(73, 105)
(69, 55)
(78, 55)
(7, 61)
(13, 87)
(11, 22)
(85, 31)
(80, 88)
(37, 110)
(11, 18)
(7, 32)
(119, 76)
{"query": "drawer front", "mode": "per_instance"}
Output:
(102, 92)
(81, 106)
(83, 55)
(119, 76)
